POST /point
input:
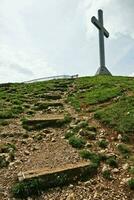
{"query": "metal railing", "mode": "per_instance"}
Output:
(52, 78)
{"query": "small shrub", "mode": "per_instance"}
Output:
(67, 118)
(131, 170)
(4, 123)
(131, 183)
(125, 138)
(103, 157)
(124, 150)
(12, 156)
(112, 162)
(25, 189)
(76, 142)
(3, 162)
(6, 114)
(17, 109)
(81, 124)
(92, 170)
(91, 135)
(85, 154)
(107, 175)
(69, 134)
(38, 137)
(6, 148)
(103, 144)
(91, 156)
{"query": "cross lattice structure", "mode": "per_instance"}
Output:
(102, 32)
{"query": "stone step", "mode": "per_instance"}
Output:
(48, 177)
(47, 121)
(50, 96)
(45, 105)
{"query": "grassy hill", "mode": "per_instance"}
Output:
(89, 118)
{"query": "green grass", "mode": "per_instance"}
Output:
(77, 142)
(112, 162)
(99, 95)
(107, 175)
(7, 147)
(69, 134)
(131, 170)
(131, 183)
(93, 157)
(103, 144)
(124, 150)
(3, 162)
(119, 116)
(118, 92)
(17, 98)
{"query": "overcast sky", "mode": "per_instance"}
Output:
(40, 38)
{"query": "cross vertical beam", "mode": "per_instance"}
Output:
(102, 32)
(101, 40)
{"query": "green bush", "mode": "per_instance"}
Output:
(124, 150)
(25, 189)
(91, 135)
(112, 162)
(103, 144)
(69, 134)
(107, 174)
(131, 183)
(91, 156)
(3, 162)
(131, 170)
(7, 147)
(76, 142)
(4, 122)
(80, 125)
(7, 114)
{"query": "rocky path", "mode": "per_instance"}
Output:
(47, 147)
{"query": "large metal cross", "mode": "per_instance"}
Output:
(102, 32)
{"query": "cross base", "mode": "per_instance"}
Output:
(103, 71)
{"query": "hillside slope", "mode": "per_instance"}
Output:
(56, 123)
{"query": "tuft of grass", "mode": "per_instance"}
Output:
(124, 150)
(131, 169)
(112, 162)
(131, 183)
(74, 102)
(81, 125)
(76, 142)
(69, 134)
(25, 189)
(103, 144)
(4, 122)
(3, 162)
(93, 157)
(7, 114)
(107, 174)
(8, 147)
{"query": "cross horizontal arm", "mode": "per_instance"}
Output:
(99, 26)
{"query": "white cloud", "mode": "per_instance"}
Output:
(44, 38)
(22, 65)
(118, 16)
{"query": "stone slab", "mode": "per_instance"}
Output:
(72, 171)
